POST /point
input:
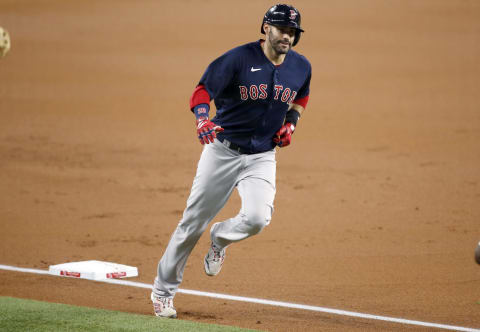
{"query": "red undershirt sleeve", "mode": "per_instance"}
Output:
(199, 96)
(302, 101)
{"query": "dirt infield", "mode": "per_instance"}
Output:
(377, 207)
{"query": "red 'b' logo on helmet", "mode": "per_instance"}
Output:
(293, 14)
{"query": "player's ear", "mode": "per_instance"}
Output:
(266, 28)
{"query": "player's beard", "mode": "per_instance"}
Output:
(277, 44)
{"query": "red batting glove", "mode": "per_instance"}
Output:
(207, 130)
(284, 135)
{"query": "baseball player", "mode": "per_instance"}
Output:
(260, 89)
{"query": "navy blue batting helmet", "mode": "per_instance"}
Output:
(284, 16)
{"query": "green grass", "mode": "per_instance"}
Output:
(35, 316)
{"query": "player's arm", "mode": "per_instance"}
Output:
(215, 79)
(299, 106)
(200, 106)
(295, 110)
(296, 107)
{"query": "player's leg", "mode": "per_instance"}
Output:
(212, 186)
(257, 197)
(257, 192)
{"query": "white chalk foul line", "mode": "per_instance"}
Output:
(268, 302)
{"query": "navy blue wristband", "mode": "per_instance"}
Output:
(292, 117)
(201, 111)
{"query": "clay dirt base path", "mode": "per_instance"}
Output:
(377, 206)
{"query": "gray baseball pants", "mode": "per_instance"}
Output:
(219, 171)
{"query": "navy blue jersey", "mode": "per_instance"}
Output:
(252, 95)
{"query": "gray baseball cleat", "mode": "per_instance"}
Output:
(214, 260)
(163, 306)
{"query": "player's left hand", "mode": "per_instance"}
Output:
(207, 130)
(283, 137)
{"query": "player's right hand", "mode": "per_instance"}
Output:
(207, 130)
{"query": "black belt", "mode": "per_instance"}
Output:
(233, 146)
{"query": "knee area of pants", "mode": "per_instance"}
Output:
(256, 222)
